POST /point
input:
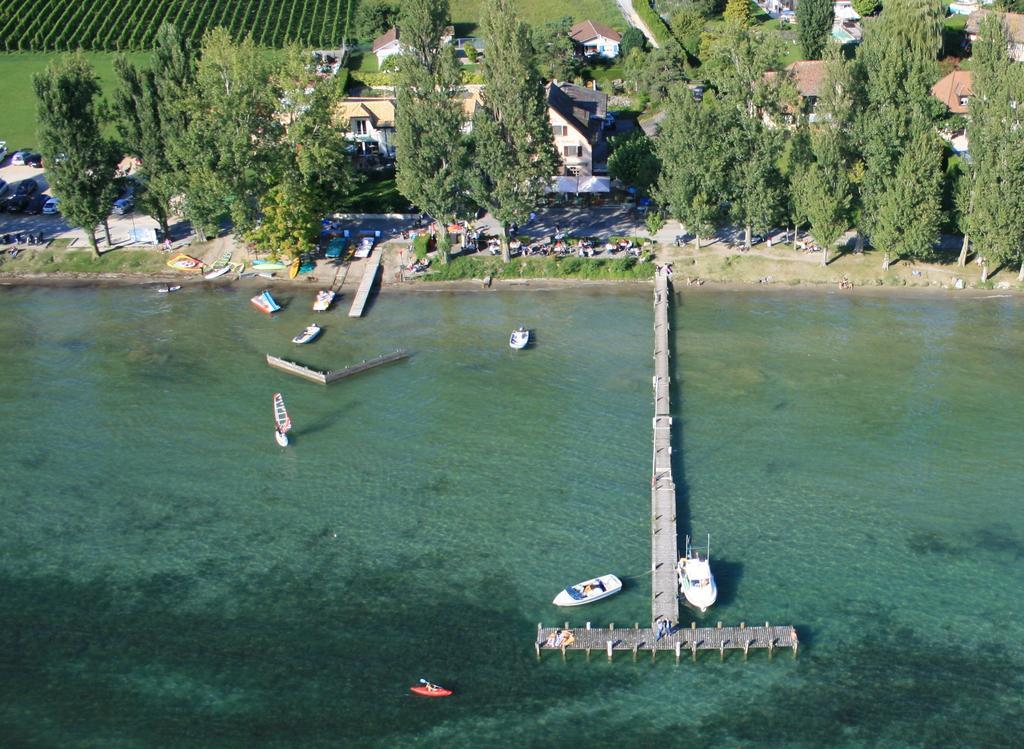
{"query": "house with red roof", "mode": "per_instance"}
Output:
(596, 39)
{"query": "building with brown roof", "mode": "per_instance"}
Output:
(388, 43)
(370, 122)
(1012, 22)
(596, 39)
(577, 116)
(954, 90)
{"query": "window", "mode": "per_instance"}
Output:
(963, 101)
(576, 151)
(359, 127)
(560, 129)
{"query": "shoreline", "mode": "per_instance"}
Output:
(124, 280)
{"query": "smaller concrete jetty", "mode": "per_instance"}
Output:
(370, 271)
(326, 378)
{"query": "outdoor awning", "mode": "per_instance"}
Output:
(580, 184)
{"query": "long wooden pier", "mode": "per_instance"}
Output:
(366, 284)
(664, 542)
(325, 378)
(664, 632)
(678, 640)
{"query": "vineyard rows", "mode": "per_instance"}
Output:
(41, 25)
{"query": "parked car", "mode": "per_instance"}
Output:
(3, 150)
(17, 202)
(124, 205)
(26, 187)
(51, 206)
(3, 186)
(35, 204)
(18, 157)
(35, 160)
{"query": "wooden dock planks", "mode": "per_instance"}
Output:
(366, 284)
(664, 542)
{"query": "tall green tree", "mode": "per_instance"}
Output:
(374, 17)
(556, 51)
(814, 26)
(895, 69)
(309, 169)
(431, 145)
(80, 161)
(909, 216)
(995, 223)
(229, 147)
(737, 12)
(147, 104)
(633, 161)
(421, 25)
(514, 157)
(695, 161)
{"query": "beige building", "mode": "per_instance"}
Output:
(577, 116)
(1012, 22)
(370, 122)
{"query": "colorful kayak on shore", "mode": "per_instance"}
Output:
(293, 269)
(217, 273)
(265, 303)
(185, 262)
(267, 265)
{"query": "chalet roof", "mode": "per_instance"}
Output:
(950, 88)
(379, 110)
(583, 108)
(389, 36)
(584, 31)
(471, 100)
(808, 75)
(1014, 23)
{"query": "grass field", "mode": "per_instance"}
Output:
(466, 13)
(18, 119)
(83, 261)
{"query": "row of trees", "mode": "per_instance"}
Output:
(871, 159)
(220, 133)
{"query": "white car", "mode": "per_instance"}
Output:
(51, 206)
(18, 157)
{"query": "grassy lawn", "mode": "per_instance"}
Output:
(82, 261)
(466, 13)
(463, 268)
(18, 122)
(378, 195)
(364, 62)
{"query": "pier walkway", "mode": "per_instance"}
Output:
(664, 542)
(370, 270)
(325, 378)
(664, 551)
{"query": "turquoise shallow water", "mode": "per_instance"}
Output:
(170, 577)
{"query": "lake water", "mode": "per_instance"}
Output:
(170, 577)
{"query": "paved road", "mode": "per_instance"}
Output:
(633, 19)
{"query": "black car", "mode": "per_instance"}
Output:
(35, 204)
(34, 160)
(17, 202)
(26, 187)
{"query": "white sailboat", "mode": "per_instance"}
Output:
(282, 422)
(696, 582)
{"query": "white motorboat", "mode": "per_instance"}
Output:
(696, 582)
(589, 591)
(308, 335)
(520, 338)
(323, 300)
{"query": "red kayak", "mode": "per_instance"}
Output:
(430, 690)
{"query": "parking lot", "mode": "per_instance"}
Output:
(55, 227)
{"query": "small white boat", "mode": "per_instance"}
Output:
(282, 422)
(589, 591)
(696, 582)
(365, 247)
(520, 338)
(308, 335)
(323, 300)
(167, 289)
(217, 273)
